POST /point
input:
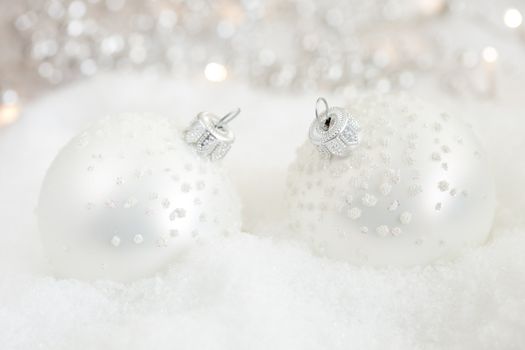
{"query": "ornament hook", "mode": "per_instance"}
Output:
(228, 117)
(326, 121)
(318, 112)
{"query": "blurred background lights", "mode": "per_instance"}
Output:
(432, 7)
(215, 72)
(9, 97)
(489, 54)
(512, 18)
(9, 108)
(59, 41)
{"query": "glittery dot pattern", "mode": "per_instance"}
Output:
(127, 196)
(416, 188)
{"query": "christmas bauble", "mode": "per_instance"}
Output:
(128, 196)
(417, 187)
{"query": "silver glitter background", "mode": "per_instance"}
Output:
(289, 44)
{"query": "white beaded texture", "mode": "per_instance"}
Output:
(418, 187)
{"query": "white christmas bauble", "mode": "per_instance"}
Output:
(128, 196)
(415, 189)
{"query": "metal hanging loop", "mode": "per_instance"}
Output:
(318, 113)
(228, 117)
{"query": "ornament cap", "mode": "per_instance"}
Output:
(209, 135)
(334, 132)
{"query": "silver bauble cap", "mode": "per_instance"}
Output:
(334, 131)
(209, 134)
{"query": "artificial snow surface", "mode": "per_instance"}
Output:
(258, 289)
